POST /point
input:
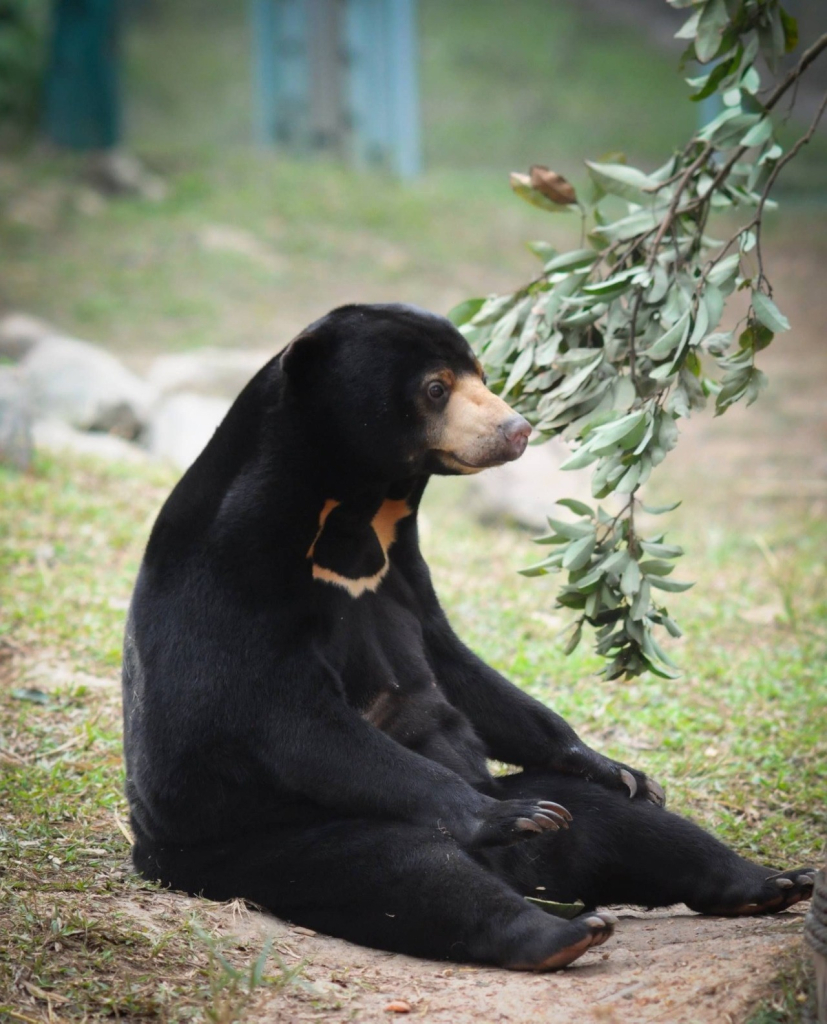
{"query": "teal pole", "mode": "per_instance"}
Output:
(82, 108)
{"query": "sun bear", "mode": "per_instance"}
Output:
(303, 729)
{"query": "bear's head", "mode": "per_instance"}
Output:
(395, 391)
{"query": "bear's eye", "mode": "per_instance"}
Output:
(436, 390)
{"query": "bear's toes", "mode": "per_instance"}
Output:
(570, 941)
(774, 894)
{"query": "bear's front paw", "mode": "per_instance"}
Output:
(510, 821)
(612, 774)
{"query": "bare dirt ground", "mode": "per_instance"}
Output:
(670, 967)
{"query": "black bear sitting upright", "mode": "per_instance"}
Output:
(304, 729)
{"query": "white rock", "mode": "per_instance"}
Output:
(86, 387)
(15, 419)
(216, 371)
(182, 424)
(20, 332)
(57, 436)
(525, 491)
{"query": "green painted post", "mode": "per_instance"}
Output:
(82, 96)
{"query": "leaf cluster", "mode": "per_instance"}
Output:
(613, 343)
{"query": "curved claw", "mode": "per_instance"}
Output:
(548, 806)
(547, 821)
(784, 883)
(630, 781)
(655, 793)
(527, 825)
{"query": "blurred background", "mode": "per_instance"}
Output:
(228, 240)
(186, 176)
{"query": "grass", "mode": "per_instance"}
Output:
(792, 1000)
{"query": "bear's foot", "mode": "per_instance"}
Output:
(770, 895)
(571, 939)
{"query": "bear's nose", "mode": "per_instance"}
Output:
(516, 431)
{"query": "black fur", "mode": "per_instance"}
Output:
(323, 754)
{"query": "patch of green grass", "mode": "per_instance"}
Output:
(791, 999)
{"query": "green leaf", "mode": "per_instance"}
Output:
(659, 510)
(582, 457)
(522, 364)
(567, 910)
(673, 586)
(613, 286)
(629, 481)
(653, 567)
(542, 250)
(539, 569)
(574, 531)
(640, 605)
(711, 24)
(580, 508)
(612, 561)
(668, 342)
(615, 432)
(631, 579)
(661, 550)
(714, 78)
(725, 271)
(757, 382)
(574, 639)
(579, 552)
(493, 309)
(768, 313)
(758, 134)
(627, 182)
(462, 313)
(639, 223)
(574, 260)
(790, 30)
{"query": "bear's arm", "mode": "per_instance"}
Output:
(317, 745)
(515, 728)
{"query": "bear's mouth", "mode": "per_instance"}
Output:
(453, 461)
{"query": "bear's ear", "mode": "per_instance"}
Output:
(305, 353)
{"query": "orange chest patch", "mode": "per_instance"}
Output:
(350, 549)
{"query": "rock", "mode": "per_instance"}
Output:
(16, 447)
(20, 332)
(215, 371)
(525, 491)
(182, 424)
(86, 387)
(56, 436)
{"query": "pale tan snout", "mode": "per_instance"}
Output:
(478, 429)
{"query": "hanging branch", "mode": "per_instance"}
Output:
(604, 346)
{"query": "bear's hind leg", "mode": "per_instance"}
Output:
(619, 850)
(399, 887)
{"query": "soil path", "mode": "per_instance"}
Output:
(672, 967)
